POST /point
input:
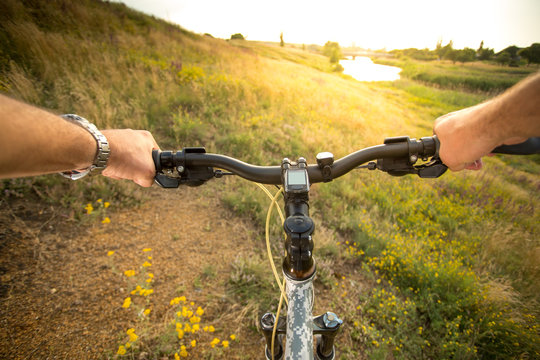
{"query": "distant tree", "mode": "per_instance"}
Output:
(333, 51)
(503, 58)
(451, 54)
(512, 50)
(281, 42)
(466, 55)
(237, 36)
(509, 56)
(531, 53)
(443, 51)
(417, 54)
(484, 54)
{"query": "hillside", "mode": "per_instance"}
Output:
(417, 269)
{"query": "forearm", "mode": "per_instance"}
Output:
(34, 141)
(516, 113)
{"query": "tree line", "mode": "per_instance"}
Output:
(511, 56)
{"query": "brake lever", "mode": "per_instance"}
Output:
(166, 182)
(432, 169)
(400, 167)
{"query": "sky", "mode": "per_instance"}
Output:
(373, 24)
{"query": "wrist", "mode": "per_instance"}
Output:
(102, 149)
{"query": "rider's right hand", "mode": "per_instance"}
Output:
(131, 156)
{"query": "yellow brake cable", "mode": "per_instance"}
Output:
(270, 257)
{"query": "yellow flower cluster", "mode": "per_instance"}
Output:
(101, 210)
(129, 273)
(122, 349)
(141, 291)
(187, 324)
(127, 303)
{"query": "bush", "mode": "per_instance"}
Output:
(237, 36)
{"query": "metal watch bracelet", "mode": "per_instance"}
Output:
(103, 149)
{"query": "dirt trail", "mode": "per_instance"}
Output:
(61, 295)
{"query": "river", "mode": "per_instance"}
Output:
(363, 69)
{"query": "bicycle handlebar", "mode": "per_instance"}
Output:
(396, 156)
(528, 147)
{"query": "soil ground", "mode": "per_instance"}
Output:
(61, 295)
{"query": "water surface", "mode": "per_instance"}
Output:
(363, 69)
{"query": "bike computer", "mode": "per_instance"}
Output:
(296, 180)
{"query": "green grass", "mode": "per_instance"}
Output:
(471, 77)
(451, 261)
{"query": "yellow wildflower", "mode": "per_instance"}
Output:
(176, 357)
(129, 273)
(136, 290)
(149, 258)
(121, 350)
(150, 275)
(146, 264)
(199, 311)
(89, 208)
(132, 335)
(127, 302)
(106, 220)
(128, 345)
(214, 342)
(193, 343)
(99, 200)
(196, 328)
(110, 253)
(233, 337)
(146, 292)
(106, 204)
(180, 333)
(183, 353)
(146, 312)
(147, 250)
(211, 328)
(225, 343)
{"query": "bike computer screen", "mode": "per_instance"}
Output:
(296, 180)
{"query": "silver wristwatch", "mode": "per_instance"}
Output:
(103, 150)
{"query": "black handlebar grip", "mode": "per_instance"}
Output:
(156, 158)
(529, 147)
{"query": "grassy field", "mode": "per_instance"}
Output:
(436, 269)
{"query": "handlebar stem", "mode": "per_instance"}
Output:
(298, 262)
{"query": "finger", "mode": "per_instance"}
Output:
(144, 182)
(476, 165)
